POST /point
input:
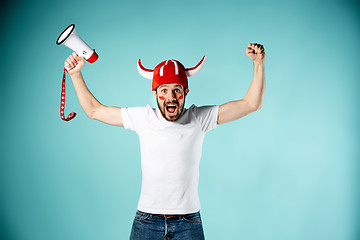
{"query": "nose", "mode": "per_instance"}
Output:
(171, 95)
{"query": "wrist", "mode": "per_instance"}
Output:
(259, 63)
(75, 74)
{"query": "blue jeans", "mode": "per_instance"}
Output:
(147, 226)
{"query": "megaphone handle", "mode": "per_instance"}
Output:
(62, 101)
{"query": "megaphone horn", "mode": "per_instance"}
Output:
(71, 39)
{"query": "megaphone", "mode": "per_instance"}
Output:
(71, 39)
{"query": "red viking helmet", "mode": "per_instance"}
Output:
(170, 71)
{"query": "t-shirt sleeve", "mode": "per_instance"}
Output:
(207, 116)
(131, 117)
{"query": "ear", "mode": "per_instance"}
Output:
(155, 94)
(186, 91)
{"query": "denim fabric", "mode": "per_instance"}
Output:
(150, 227)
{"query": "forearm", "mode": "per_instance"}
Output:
(87, 101)
(256, 93)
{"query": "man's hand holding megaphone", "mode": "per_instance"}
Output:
(74, 63)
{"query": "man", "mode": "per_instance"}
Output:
(171, 139)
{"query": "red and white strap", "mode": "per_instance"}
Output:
(62, 102)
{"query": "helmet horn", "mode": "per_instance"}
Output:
(195, 70)
(146, 73)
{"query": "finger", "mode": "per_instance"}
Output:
(81, 58)
(73, 61)
(262, 50)
(256, 49)
(72, 58)
(68, 67)
(69, 63)
(77, 57)
(250, 50)
(250, 47)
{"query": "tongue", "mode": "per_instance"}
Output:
(171, 109)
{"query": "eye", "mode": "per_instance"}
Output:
(163, 90)
(177, 90)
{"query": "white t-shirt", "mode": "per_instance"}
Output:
(170, 156)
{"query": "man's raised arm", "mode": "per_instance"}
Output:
(254, 98)
(91, 106)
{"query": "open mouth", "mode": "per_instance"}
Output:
(171, 109)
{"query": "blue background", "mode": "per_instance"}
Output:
(288, 171)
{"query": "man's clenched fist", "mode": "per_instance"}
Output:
(256, 52)
(74, 63)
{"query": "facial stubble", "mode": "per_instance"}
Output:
(163, 111)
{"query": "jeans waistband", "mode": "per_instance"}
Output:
(167, 215)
